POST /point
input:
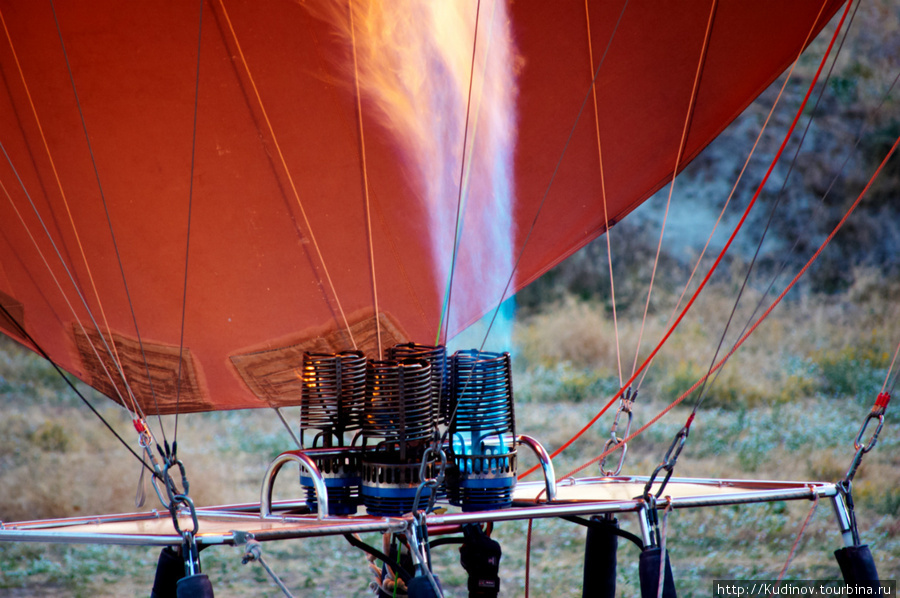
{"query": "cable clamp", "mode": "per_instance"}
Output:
(145, 437)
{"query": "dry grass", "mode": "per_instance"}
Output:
(796, 352)
(775, 413)
(67, 464)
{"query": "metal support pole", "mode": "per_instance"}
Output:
(644, 521)
(843, 519)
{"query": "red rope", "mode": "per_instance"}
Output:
(752, 328)
(528, 557)
(806, 521)
(887, 377)
(718, 260)
(684, 135)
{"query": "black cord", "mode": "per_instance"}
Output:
(401, 572)
(706, 381)
(616, 531)
(445, 541)
(187, 250)
(109, 224)
(62, 374)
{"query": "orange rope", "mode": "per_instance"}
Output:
(114, 351)
(752, 328)
(612, 284)
(365, 172)
(65, 297)
(740, 176)
(718, 260)
(806, 521)
(681, 146)
(890, 369)
(287, 171)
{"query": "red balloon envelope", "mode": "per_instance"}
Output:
(197, 254)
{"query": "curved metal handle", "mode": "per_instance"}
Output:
(265, 499)
(546, 463)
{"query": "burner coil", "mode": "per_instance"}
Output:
(482, 419)
(398, 402)
(436, 356)
(333, 393)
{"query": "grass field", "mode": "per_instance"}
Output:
(788, 406)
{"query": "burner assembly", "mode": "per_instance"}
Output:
(398, 404)
(372, 428)
(333, 397)
(399, 419)
(482, 431)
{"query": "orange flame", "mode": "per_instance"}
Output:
(414, 63)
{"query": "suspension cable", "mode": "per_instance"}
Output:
(365, 174)
(749, 331)
(290, 178)
(133, 409)
(21, 329)
(734, 187)
(114, 350)
(887, 376)
(562, 155)
(612, 283)
(718, 260)
(627, 399)
(834, 180)
(678, 156)
(105, 209)
(773, 209)
(187, 243)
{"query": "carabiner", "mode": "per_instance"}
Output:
(613, 443)
(865, 448)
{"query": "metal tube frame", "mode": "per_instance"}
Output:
(843, 519)
(304, 460)
(644, 522)
(305, 526)
(546, 463)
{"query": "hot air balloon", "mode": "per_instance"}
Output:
(230, 205)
